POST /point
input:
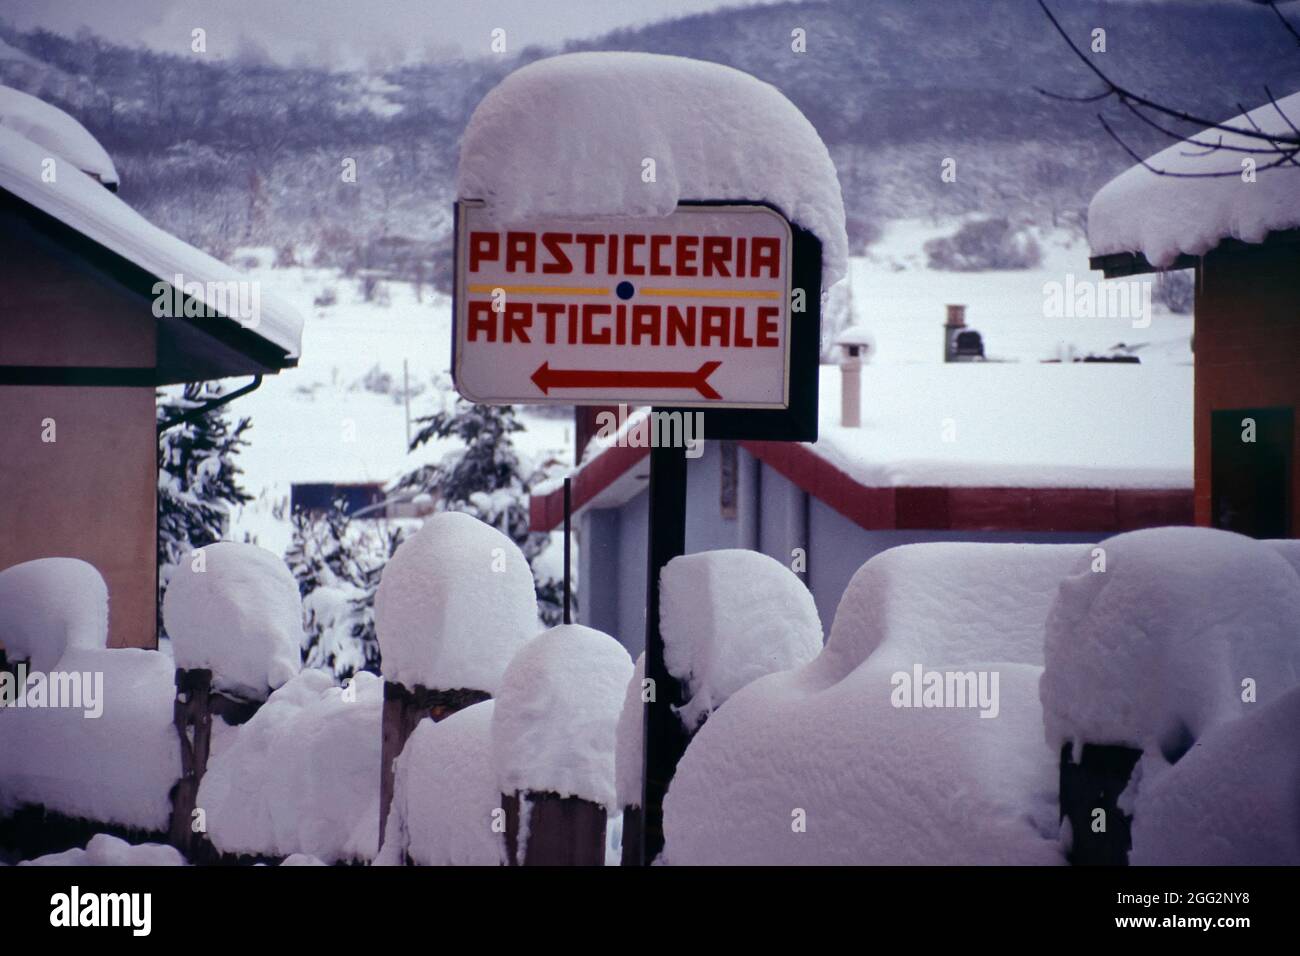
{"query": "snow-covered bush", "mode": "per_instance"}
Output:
(454, 604)
(557, 708)
(982, 245)
(198, 478)
(107, 850)
(1184, 629)
(234, 609)
(302, 776)
(853, 772)
(629, 741)
(487, 479)
(48, 605)
(729, 617)
(445, 796)
(118, 767)
(337, 563)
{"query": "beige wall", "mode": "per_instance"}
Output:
(92, 492)
(89, 494)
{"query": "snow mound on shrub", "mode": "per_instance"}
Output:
(847, 778)
(445, 794)
(949, 603)
(106, 850)
(1232, 800)
(556, 712)
(454, 604)
(239, 617)
(566, 136)
(728, 618)
(629, 741)
(302, 776)
(116, 768)
(1289, 548)
(1153, 651)
(48, 605)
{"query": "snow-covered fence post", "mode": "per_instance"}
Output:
(553, 733)
(454, 603)
(234, 615)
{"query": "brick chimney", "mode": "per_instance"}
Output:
(956, 323)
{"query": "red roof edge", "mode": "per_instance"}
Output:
(912, 508)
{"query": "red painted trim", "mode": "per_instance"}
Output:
(913, 508)
(546, 512)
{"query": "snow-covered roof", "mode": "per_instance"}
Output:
(1163, 217)
(81, 202)
(569, 136)
(49, 127)
(1012, 425)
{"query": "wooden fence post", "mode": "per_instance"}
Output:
(560, 831)
(403, 710)
(192, 712)
(1092, 785)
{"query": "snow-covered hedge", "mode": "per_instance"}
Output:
(729, 617)
(48, 605)
(116, 768)
(556, 711)
(822, 764)
(629, 741)
(454, 604)
(234, 609)
(445, 796)
(1184, 629)
(302, 776)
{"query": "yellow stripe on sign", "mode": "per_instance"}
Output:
(532, 289)
(715, 293)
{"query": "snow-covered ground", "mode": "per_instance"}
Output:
(338, 418)
(325, 421)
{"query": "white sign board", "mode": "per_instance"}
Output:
(692, 309)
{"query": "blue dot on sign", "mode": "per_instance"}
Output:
(624, 290)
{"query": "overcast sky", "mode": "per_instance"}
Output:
(346, 32)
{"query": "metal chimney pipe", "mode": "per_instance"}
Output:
(851, 388)
(956, 321)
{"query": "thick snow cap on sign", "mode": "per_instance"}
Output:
(454, 604)
(235, 612)
(54, 130)
(1207, 200)
(567, 136)
(729, 617)
(557, 708)
(1153, 651)
(445, 795)
(48, 605)
(629, 741)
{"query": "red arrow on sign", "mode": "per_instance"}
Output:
(547, 378)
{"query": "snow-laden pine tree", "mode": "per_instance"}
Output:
(337, 562)
(485, 477)
(198, 479)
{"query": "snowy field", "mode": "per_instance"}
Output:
(340, 417)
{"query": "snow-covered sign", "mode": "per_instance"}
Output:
(687, 309)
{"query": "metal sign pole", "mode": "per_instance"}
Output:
(665, 738)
